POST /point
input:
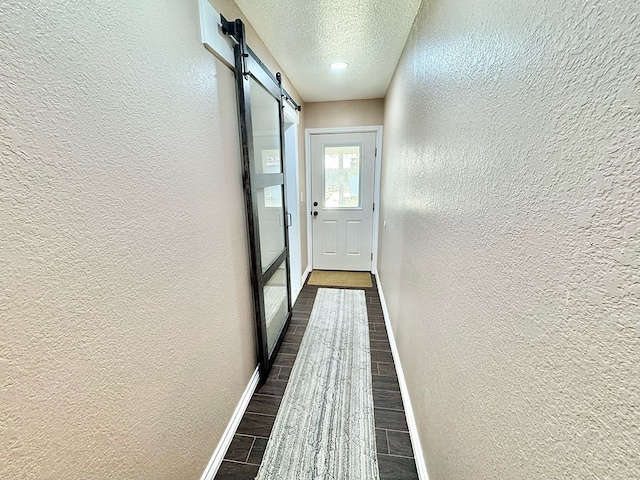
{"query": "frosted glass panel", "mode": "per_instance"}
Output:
(265, 121)
(273, 196)
(342, 177)
(271, 223)
(275, 304)
(270, 160)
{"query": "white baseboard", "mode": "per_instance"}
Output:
(305, 275)
(294, 294)
(227, 436)
(406, 401)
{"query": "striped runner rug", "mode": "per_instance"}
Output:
(325, 429)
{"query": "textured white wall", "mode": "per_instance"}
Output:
(511, 257)
(126, 332)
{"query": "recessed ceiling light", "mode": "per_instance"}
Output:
(339, 65)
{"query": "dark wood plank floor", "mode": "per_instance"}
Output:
(393, 445)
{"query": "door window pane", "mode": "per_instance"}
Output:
(275, 304)
(265, 121)
(342, 177)
(271, 224)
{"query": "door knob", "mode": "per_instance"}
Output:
(315, 214)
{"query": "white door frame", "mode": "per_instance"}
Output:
(377, 129)
(293, 204)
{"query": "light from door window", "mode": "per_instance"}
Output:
(342, 177)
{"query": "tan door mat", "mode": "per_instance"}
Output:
(326, 278)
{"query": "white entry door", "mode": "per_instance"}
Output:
(342, 184)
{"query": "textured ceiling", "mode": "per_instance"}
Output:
(305, 36)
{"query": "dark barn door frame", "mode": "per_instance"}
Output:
(249, 70)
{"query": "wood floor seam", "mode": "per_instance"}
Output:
(248, 435)
(254, 442)
(261, 414)
(241, 463)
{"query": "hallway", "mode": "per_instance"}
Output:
(505, 240)
(394, 451)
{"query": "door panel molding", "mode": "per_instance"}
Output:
(354, 234)
(330, 237)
